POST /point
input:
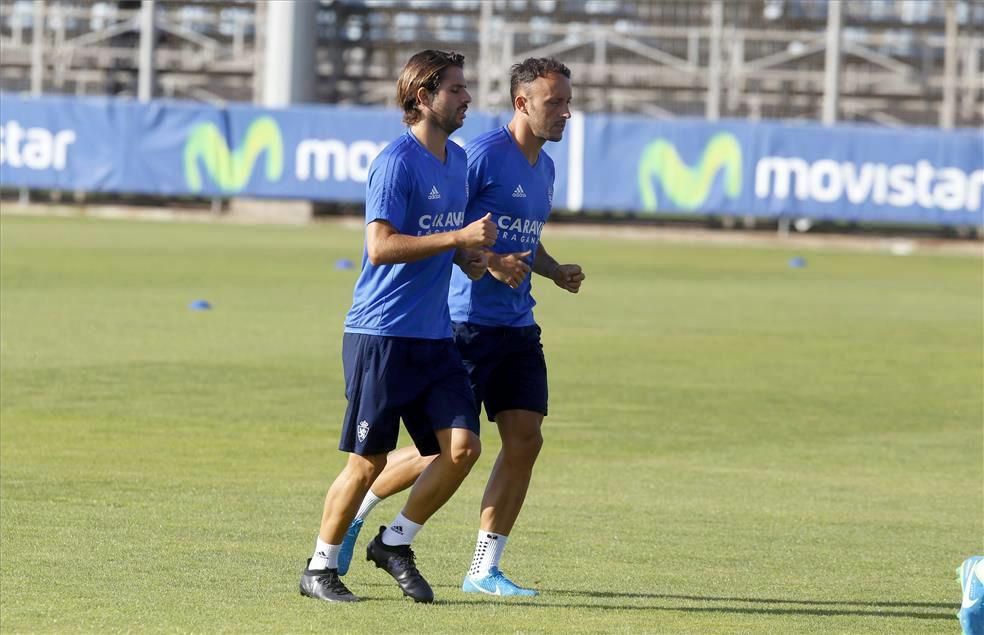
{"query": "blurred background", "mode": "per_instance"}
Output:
(892, 64)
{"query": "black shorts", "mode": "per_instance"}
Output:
(506, 366)
(421, 381)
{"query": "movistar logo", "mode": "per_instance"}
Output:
(688, 188)
(231, 170)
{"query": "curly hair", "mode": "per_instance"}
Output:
(423, 70)
(527, 72)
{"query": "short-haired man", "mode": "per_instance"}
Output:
(509, 176)
(398, 355)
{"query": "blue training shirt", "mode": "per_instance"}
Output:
(519, 195)
(412, 190)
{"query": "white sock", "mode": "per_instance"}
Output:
(370, 501)
(401, 531)
(488, 551)
(325, 555)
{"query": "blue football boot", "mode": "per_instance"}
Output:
(971, 612)
(348, 547)
(495, 583)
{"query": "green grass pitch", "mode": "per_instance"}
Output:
(734, 445)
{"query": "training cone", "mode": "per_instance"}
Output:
(200, 305)
(797, 263)
(344, 263)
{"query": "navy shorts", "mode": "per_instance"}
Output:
(506, 366)
(421, 381)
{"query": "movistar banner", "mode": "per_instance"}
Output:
(845, 172)
(623, 163)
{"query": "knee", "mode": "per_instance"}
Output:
(422, 462)
(365, 469)
(464, 453)
(524, 449)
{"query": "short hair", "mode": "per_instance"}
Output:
(423, 70)
(527, 72)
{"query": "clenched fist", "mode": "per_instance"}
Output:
(474, 262)
(568, 277)
(481, 233)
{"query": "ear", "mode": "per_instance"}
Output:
(423, 97)
(520, 103)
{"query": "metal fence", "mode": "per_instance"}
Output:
(889, 62)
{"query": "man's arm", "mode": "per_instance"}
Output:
(510, 269)
(474, 262)
(386, 246)
(568, 277)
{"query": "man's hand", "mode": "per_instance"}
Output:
(481, 233)
(510, 269)
(474, 262)
(568, 277)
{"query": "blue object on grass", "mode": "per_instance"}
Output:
(344, 263)
(200, 305)
(348, 546)
(797, 262)
(971, 613)
(495, 583)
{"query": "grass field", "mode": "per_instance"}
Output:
(734, 446)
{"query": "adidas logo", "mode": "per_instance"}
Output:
(399, 528)
(434, 194)
(491, 537)
(518, 192)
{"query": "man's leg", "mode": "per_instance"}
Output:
(503, 500)
(460, 448)
(320, 578)
(346, 493)
(390, 549)
(403, 466)
(513, 470)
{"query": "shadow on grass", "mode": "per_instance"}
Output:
(874, 609)
(713, 598)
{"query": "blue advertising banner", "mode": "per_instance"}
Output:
(855, 173)
(605, 162)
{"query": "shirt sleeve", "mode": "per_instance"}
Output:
(388, 192)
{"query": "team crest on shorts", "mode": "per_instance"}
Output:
(363, 430)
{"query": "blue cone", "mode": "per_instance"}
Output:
(344, 263)
(200, 305)
(797, 263)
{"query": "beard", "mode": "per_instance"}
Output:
(449, 123)
(549, 132)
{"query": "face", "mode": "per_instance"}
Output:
(547, 105)
(448, 105)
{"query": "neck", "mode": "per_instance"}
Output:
(431, 137)
(529, 144)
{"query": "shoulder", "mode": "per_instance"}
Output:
(395, 156)
(488, 143)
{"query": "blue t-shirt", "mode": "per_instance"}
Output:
(519, 195)
(413, 191)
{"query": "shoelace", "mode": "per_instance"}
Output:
(499, 576)
(334, 583)
(408, 560)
